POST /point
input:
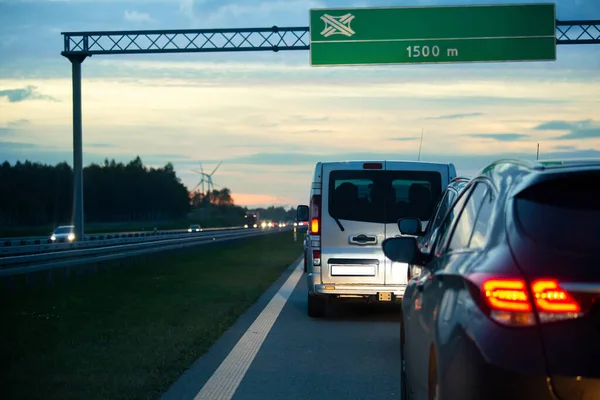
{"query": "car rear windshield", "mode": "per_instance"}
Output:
(563, 214)
(383, 196)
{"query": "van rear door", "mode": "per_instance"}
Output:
(415, 189)
(352, 224)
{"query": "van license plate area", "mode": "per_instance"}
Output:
(385, 296)
(353, 270)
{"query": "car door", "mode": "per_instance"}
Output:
(421, 303)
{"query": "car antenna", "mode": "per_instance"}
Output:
(420, 145)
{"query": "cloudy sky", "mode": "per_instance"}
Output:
(270, 116)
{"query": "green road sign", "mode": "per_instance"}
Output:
(433, 35)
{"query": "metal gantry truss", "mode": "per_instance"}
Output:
(578, 32)
(80, 45)
(186, 41)
(246, 39)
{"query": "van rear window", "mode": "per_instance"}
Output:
(562, 214)
(383, 196)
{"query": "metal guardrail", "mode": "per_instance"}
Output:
(103, 240)
(37, 240)
(18, 265)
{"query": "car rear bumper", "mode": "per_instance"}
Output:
(464, 374)
(359, 290)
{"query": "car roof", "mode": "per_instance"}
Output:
(382, 161)
(517, 175)
(566, 163)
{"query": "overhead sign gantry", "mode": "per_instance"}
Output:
(80, 45)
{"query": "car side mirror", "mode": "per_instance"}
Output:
(410, 226)
(302, 213)
(402, 249)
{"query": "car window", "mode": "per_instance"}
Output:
(562, 214)
(64, 229)
(464, 225)
(383, 196)
(444, 229)
(483, 222)
(438, 216)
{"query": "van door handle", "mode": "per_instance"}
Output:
(363, 239)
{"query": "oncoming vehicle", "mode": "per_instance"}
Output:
(194, 228)
(65, 233)
(354, 206)
(508, 303)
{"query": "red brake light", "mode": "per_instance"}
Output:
(551, 298)
(373, 165)
(511, 302)
(507, 295)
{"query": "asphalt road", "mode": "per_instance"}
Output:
(275, 351)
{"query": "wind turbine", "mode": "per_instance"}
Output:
(210, 181)
(202, 179)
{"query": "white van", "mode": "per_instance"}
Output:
(354, 207)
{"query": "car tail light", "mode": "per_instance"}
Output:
(510, 301)
(315, 215)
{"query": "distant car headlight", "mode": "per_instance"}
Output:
(71, 237)
(198, 230)
(295, 224)
(52, 237)
(189, 230)
(256, 226)
(245, 225)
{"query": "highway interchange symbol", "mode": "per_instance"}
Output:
(337, 25)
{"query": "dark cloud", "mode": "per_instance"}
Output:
(584, 129)
(456, 116)
(463, 162)
(18, 123)
(565, 148)
(27, 93)
(18, 146)
(306, 119)
(501, 137)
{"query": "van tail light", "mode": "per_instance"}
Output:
(510, 301)
(372, 165)
(317, 257)
(315, 215)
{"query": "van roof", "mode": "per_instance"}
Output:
(381, 161)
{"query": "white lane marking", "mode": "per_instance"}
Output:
(226, 379)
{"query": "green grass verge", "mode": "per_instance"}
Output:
(130, 332)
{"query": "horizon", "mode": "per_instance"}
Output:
(270, 116)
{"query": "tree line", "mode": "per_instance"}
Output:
(40, 194)
(35, 194)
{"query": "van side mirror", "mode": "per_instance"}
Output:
(302, 213)
(410, 226)
(402, 249)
